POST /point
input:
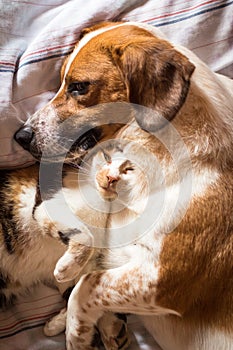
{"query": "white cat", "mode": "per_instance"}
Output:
(109, 195)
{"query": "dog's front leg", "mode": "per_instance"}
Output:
(127, 289)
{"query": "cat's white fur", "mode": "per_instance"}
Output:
(129, 253)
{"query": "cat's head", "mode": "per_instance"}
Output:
(115, 175)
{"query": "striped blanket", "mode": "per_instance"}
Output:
(35, 36)
(21, 327)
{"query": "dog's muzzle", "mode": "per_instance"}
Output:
(70, 144)
(24, 137)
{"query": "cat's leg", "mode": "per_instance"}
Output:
(73, 261)
(112, 328)
(60, 228)
(67, 268)
(127, 289)
(70, 264)
(74, 234)
(78, 240)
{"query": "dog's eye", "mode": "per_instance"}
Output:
(88, 142)
(78, 88)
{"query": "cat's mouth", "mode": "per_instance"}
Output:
(108, 193)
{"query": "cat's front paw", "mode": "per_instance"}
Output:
(56, 324)
(66, 268)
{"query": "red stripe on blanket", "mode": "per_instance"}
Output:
(7, 63)
(212, 43)
(27, 319)
(49, 49)
(39, 299)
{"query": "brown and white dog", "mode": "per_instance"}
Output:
(192, 270)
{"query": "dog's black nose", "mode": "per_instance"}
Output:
(24, 136)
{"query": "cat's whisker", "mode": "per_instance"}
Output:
(83, 177)
(71, 161)
(78, 181)
(74, 171)
(80, 174)
(86, 163)
(84, 171)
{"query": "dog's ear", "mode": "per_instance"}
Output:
(63, 68)
(157, 76)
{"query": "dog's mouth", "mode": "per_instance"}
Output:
(68, 152)
(86, 141)
(67, 145)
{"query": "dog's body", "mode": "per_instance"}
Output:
(188, 271)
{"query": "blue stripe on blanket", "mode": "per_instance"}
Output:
(36, 60)
(157, 23)
(2, 70)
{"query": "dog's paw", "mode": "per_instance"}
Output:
(114, 332)
(56, 325)
(66, 268)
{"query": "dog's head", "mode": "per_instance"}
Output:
(112, 63)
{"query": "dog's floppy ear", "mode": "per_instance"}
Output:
(157, 76)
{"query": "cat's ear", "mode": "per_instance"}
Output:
(107, 156)
(98, 160)
(157, 76)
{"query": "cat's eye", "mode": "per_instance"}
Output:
(78, 88)
(126, 170)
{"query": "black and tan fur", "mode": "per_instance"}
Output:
(28, 253)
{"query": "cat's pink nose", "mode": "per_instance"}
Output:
(112, 179)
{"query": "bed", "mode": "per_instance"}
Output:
(35, 38)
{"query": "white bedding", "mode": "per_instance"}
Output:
(35, 36)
